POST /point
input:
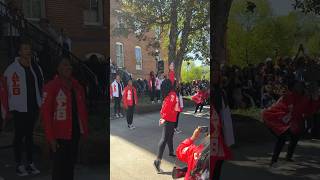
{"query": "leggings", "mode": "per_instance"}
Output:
(176, 125)
(130, 111)
(197, 107)
(117, 107)
(280, 143)
(217, 170)
(167, 138)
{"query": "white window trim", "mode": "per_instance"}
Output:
(122, 65)
(101, 12)
(43, 11)
(138, 47)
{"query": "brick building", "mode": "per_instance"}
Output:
(129, 52)
(85, 22)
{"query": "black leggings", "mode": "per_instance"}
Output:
(24, 125)
(281, 142)
(130, 111)
(117, 107)
(167, 138)
(197, 107)
(217, 170)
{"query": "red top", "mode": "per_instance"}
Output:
(56, 110)
(128, 94)
(189, 153)
(289, 112)
(220, 151)
(170, 107)
(171, 77)
(199, 97)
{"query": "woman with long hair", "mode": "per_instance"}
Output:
(168, 113)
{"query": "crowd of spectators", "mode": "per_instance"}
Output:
(262, 84)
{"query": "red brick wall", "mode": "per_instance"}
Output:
(129, 43)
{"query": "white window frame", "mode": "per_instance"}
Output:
(100, 14)
(138, 66)
(119, 57)
(42, 13)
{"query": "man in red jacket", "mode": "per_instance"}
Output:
(286, 117)
(130, 100)
(65, 119)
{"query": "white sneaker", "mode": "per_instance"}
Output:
(152, 102)
(120, 115)
(132, 127)
(177, 131)
(31, 168)
(21, 171)
(117, 116)
(159, 101)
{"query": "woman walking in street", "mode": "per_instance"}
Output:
(176, 130)
(168, 113)
(130, 100)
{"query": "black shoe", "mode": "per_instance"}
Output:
(156, 165)
(172, 155)
(289, 160)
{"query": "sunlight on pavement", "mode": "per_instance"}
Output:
(134, 164)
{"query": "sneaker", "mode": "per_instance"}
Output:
(159, 101)
(117, 116)
(274, 165)
(152, 102)
(31, 168)
(289, 160)
(156, 165)
(172, 155)
(21, 171)
(131, 127)
(120, 115)
(177, 131)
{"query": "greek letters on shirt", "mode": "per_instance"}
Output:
(61, 112)
(129, 96)
(16, 84)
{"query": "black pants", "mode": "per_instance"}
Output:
(158, 94)
(152, 94)
(130, 111)
(281, 142)
(167, 138)
(217, 170)
(176, 125)
(64, 159)
(117, 107)
(200, 105)
(23, 125)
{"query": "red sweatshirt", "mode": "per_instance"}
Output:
(128, 94)
(170, 107)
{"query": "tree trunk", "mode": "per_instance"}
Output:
(173, 36)
(184, 39)
(219, 16)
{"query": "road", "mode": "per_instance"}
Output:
(133, 151)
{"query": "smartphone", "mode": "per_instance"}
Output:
(204, 129)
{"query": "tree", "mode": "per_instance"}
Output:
(194, 72)
(184, 26)
(307, 6)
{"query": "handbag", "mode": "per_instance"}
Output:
(178, 172)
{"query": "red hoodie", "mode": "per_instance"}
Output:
(56, 109)
(199, 97)
(289, 112)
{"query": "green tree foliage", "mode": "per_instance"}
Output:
(254, 37)
(194, 72)
(184, 26)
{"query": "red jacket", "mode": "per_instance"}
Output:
(170, 107)
(128, 96)
(199, 97)
(220, 151)
(171, 77)
(189, 153)
(4, 98)
(56, 110)
(294, 108)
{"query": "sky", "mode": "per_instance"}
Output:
(281, 7)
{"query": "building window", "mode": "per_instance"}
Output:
(94, 14)
(33, 9)
(120, 22)
(119, 55)
(138, 58)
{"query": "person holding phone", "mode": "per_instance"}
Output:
(65, 119)
(168, 113)
(195, 156)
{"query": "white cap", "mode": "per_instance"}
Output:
(268, 59)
